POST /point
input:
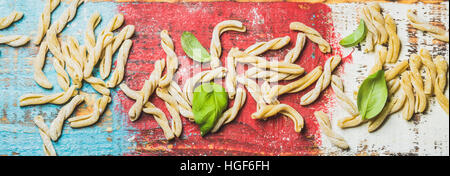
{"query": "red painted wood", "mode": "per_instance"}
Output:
(244, 136)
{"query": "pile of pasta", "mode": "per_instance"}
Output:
(74, 64)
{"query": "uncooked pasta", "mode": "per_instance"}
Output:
(11, 18)
(325, 126)
(49, 150)
(14, 40)
(57, 98)
(215, 47)
(171, 59)
(117, 75)
(65, 112)
(45, 18)
(92, 118)
(313, 35)
(271, 110)
(38, 64)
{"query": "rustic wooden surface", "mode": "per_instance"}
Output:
(114, 134)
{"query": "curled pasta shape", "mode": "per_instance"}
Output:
(230, 77)
(95, 53)
(378, 22)
(271, 110)
(160, 118)
(113, 24)
(14, 40)
(65, 112)
(90, 119)
(255, 91)
(430, 69)
(397, 70)
(11, 18)
(77, 52)
(172, 107)
(204, 76)
(441, 80)
(89, 35)
(44, 20)
(281, 67)
(399, 102)
(323, 81)
(380, 60)
(117, 75)
(53, 44)
(58, 98)
(294, 86)
(215, 47)
(369, 44)
(261, 47)
(420, 97)
(105, 63)
(394, 41)
(313, 35)
(98, 84)
(38, 64)
(171, 59)
(408, 109)
(61, 75)
(73, 67)
(66, 17)
(49, 150)
(375, 122)
(293, 54)
(325, 126)
(183, 105)
(143, 95)
(350, 121)
(345, 102)
(436, 32)
(230, 114)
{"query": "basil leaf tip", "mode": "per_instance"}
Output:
(356, 37)
(372, 95)
(193, 48)
(208, 104)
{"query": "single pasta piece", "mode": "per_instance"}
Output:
(399, 102)
(255, 91)
(366, 16)
(271, 110)
(325, 126)
(95, 53)
(394, 41)
(441, 80)
(375, 122)
(430, 69)
(61, 75)
(350, 121)
(436, 32)
(204, 76)
(293, 54)
(183, 105)
(230, 77)
(89, 34)
(420, 97)
(77, 52)
(38, 64)
(345, 102)
(323, 81)
(105, 63)
(117, 75)
(369, 44)
(230, 114)
(73, 67)
(280, 67)
(58, 98)
(397, 70)
(408, 109)
(172, 107)
(294, 86)
(44, 20)
(143, 95)
(65, 112)
(11, 18)
(65, 17)
(90, 119)
(215, 47)
(313, 35)
(53, 44)
(49, 150)
(98, 84)
(380, 60)
(113, 24)
(261, 47)
(378, 22)
(160, 118)
(14, 40)
(171, 59)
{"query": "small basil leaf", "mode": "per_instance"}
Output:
(208, 104)
(372, 95)
(357, 36)
(193, 48)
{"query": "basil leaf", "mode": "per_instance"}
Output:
(193, 48)
(357, 36)
(372, 95)
(208, 104)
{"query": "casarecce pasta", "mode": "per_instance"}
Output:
(325, 126)
(436, 32)
(280, 67)
(143, 95)
(441, 80)
(313, 35)
(49, 150)
(90, 119)
(261, 47)
(95, 52)
(58, 98)
(183, 105)
(230, 77)
(38, 64)
(89, 35)
(323, 81)
(417, 82)
(74, 69)
(171, 59)
(44, 20)
(430, 69)
(117, 75)
(99, 85)
(408, 109)
(11, 18)
(375, 23)
(267, 111)
(380, 59)
(345, 102)
(204, 76)
(66, 17)
(230, 114)
(215, 47)
(394, 41)
(255, 91)
(14, 40)
(172, 107)
(160, 118)
(397, 70)
(65, 112)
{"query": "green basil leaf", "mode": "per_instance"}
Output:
(193, 48)
(208, 104)
(372, 95)
(357, 36)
